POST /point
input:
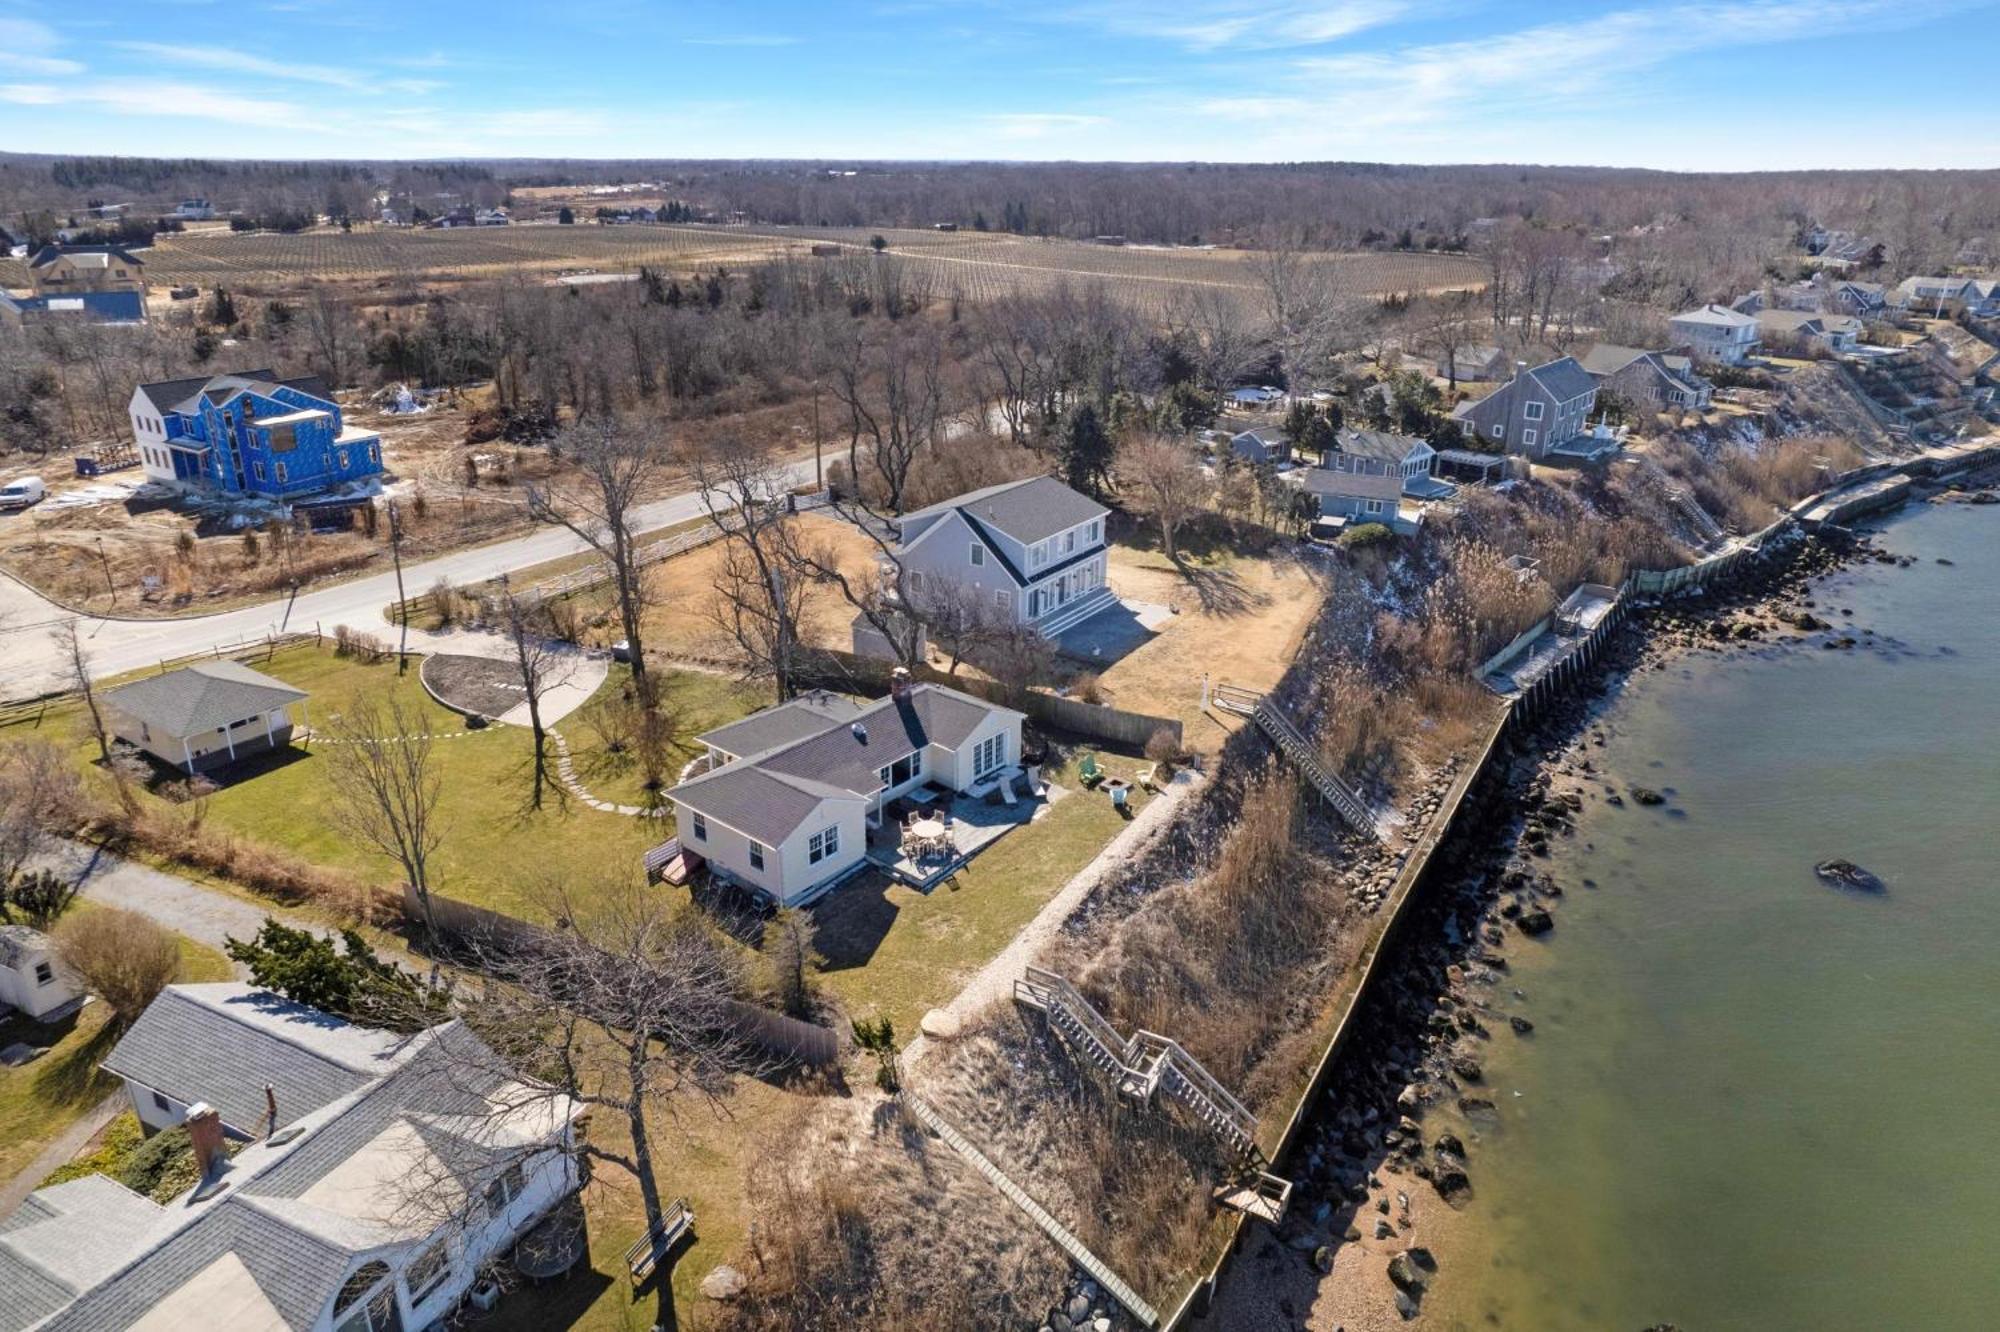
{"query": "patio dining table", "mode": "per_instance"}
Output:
(928, 830)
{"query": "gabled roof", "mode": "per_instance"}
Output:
(206, 696)
(1563, 379)
(269, 1248)
(104, 307)
(1606, 358)
(1028, 511)
(89, 255)
(769, 795)
(1719, 316)
(1807, 321)
(179, 395)
(1385, 445)
(222, 1043)
(18, 943)
(806, 715)
(1353, 483)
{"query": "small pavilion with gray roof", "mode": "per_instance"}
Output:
(203, 716)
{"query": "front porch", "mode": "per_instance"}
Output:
(971, 823)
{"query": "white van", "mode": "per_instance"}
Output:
(21, 492)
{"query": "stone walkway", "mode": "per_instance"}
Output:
(566, 773)
(60, 1151)
(995, 981)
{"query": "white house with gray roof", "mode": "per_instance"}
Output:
(792, 792)
(1030, 552)
(1808, 328)
(1716, 333)
(203, 716)
(378, 1209)
(1536, 412)
(247, 1052)
(31, 980)
(1661, 381)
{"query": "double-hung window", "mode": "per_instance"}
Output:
(427, 1272)
(756, 855)
(1532, 411)
(44, 974)
(700, 828)
(823, 845)
(978, 555)
(505, 1188)
(1528, 436)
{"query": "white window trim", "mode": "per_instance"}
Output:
(1528, 436)
(1531, 411)
(756, 855)
(978, 555)
(699, 827)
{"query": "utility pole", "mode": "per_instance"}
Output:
(105, 560)
(402, 603)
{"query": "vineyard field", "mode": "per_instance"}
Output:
(973, 266)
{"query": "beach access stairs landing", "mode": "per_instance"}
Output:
(1292, 743)
(1148, 1067)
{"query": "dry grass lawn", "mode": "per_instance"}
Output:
(1240, 621)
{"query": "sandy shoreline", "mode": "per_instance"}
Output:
(1368, 1178)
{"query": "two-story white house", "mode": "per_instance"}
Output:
(374, 1205)
(791, 793)
(1030, 552)
(1717, 333)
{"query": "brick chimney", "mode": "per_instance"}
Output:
(204, 1128)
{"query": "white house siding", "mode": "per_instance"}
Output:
(22, 988)
(955, 765)
(149, 433)
(1082, 579)
(156, 1110)
(800, 875)
(211, 748)
(944, 553)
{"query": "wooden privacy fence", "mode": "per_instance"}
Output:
(829, 668)
(804, 1042)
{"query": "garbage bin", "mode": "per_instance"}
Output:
(87, 467)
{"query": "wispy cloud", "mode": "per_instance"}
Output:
(245, 62)
(155, 98)
(26, 47)
(744, 39)
(1547, 66)
(1209, 25)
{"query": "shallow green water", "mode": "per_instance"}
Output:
(1752, 1101)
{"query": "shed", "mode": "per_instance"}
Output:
(203, 716)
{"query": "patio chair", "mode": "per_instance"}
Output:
(1150, 778)
(1088, 772)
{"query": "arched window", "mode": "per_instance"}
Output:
(367, 1301)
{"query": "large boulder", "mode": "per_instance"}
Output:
(724, 1283)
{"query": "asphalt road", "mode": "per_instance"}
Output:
(30, 663)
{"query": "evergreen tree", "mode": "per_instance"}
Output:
(1086, 451)
(351, 982)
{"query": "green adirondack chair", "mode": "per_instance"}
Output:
(1089, 773)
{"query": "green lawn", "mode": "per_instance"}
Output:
(697, 701)
(496, 852)
(894, 951)
(40, 1099)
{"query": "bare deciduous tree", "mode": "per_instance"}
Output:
(387, 789)
(759, 598)
(40, 796)
(632, 1007)
(1160, 478)
(68, 638)
(120, 956)
(541, 665)
(894, 390)
(617, 466)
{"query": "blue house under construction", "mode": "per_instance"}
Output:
(250, 434)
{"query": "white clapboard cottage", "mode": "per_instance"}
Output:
(792, 792)
(1027, 552)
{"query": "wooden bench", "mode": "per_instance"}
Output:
(647, 1251)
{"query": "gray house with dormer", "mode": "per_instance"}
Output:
(1030, 552)
(1540, 409)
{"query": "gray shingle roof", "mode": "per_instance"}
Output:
(1028, 511)
(1605, 358)
(76, 1233)
(1357, 483)
(222, 1043)
(1564, 379)
(1383, 445)
(173, 394)
(769, 795)
(1719, 315)
(809, 714)
(18, 943)
(200, 698)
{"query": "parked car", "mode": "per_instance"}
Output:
(21, 492)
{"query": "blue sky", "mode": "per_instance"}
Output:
(1731, 84)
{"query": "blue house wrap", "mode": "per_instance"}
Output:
(251, 434)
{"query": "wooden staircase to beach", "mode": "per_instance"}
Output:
(1292, 743)
(1148, 1067)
